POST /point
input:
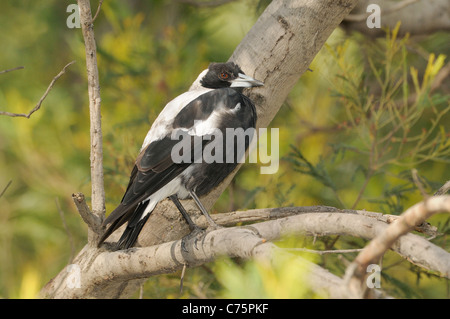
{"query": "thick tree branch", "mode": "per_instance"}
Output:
(392, 7)
(104, 272)
(263, 214)
(417, 17)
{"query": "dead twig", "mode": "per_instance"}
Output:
(38, 105)
(416, 180)
(13, 69)
(93, 221)
(98, 10)
(4, 190)
(206, 4)
(66, 228)
(325, 252)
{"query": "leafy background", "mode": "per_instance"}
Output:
(349, 135)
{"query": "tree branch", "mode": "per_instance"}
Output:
(443, 190)
(6, 187)
(38, 105)
(264, 214)
(98, 190)
(98, 10)
(122, 266)
(13, 69)
(392, 8)
(105, 272)
(94, 223)
(206, 4)
(415, 215)
(417, 17)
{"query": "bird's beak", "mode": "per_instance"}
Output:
(245, 81)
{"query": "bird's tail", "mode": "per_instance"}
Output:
(134, 227)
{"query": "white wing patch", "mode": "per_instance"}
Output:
(163, 122)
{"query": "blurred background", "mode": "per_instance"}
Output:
(350, 133)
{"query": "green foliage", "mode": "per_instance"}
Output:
(256, 280)
(392, 120)
(286, 276)
(350, 132)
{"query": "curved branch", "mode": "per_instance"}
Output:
(263, 214)
(110, 268)
(413, 216)
(111, 274)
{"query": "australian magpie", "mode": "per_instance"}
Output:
(214, 103)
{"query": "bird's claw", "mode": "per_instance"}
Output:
(196, 234)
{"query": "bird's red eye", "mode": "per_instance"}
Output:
(224, 75)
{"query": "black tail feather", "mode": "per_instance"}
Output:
(134, 226)
(130, 235)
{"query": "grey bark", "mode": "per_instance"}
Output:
(104, 273)
(96, 156)
(420, 17)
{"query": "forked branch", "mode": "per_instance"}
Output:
(38, 105)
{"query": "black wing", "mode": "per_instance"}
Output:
(155, 167)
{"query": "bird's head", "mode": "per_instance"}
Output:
(222, 75)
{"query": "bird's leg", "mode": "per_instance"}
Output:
(192, 225)
(195, 230)
(211, 222)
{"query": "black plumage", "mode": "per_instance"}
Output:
(214, 103)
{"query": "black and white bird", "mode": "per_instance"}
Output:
(214, 102)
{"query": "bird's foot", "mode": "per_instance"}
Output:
(214, 226)
(195, 235)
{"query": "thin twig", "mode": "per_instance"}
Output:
(324, 252)
(182, 278)
(93, 221)
(66, 228)
(416, 179)
(208, 4)
(361, 191)
(98, 10)
(13, 69)
(141, 291)
(38, 105)
(443, 190)
(6, 187)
